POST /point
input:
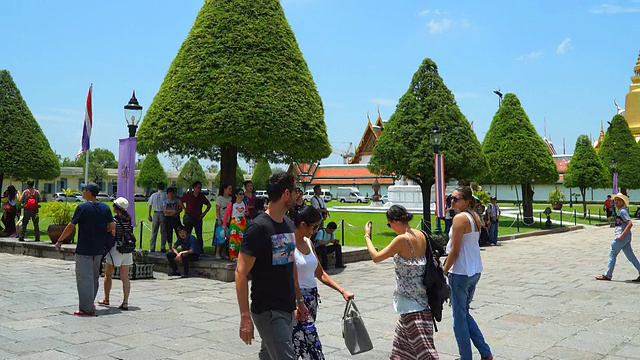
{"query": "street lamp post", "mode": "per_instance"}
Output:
(614, 173)
(127, 155)
(436, 138)
(133, 114)
(499, 93)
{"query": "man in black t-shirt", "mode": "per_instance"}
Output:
(266, 253)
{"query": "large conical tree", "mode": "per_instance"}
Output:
(238, 85)
(261, 174)
(152, 174)
(620, 144)
(405, 148)
(191, 172)
(516, 154)
(25, 152)
(585, 170)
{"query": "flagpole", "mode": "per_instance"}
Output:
(86, 167)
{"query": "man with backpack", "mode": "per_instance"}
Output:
(30, 203)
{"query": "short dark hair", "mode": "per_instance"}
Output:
(180, 228)
(278, 183)
(30, 183)
(317, 186)
(248, 182)
(307, 215)
(171, 189)
(332, 225)
(196, 183)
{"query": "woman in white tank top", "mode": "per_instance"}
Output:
(464, 266)
(306, 342)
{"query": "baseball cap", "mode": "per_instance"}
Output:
(122, 203)
(92, 188)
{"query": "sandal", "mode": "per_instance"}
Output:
(104, 302)
(124, 306)
(84, 313)
(603, 277)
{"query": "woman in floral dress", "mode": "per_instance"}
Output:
(235, 215)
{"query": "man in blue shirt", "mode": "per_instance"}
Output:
(326, 243)
(190, 251)
(95, 221)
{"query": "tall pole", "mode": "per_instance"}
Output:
(86, 167)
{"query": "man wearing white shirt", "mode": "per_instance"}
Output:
(317, 201)
(156, 216)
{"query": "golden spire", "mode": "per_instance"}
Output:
(636, 70)
(368, 118)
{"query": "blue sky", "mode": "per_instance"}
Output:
(565, 60)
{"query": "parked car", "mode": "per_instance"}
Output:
(102, 197)
(384, 198)
(351, 195)
(139, 197)
(208, 194)
(326, 194)
(61, 197)
(261, 194)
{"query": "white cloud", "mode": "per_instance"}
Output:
(563, 46)
(529, 56)
(438, 26)
(434, 12)
(608, 8)
(383, 101)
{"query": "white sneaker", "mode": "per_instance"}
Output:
(218, 257)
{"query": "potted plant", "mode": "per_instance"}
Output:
(59, 214)
(556, 198)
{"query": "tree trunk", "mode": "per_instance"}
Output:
(1, 181)
(228, 165)
(527, 204)
(583, 191)
(426, 203)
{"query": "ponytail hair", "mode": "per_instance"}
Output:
(307, 215)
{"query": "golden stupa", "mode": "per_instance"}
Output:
(632, 104)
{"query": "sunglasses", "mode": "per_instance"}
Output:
(240, 194)
(455, 199)
(388, 225)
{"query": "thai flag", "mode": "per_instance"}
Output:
(440, 186)
(88, 122)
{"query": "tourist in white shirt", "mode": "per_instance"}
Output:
(156, 217)
(317, 201)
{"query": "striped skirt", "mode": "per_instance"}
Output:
(414, 337)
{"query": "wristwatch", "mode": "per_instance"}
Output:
(300, 300)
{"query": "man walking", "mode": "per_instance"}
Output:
(317, 201)
(622, 240)
(267, 254)
(192, 202)
(95, 221)
(30, 201)
(493, 214)
(156, 217)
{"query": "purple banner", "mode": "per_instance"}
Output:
(127, 173)
(615, 182)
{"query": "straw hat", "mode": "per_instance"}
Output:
(622, 197)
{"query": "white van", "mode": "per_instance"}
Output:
(326, 194)
(350, 195)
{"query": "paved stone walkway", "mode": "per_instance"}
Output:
(537, 299)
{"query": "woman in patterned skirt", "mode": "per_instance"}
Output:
(235, 214)
(306, 342)
(414, 330)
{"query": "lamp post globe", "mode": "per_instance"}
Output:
(133, 114)
(613, 164)
(436, 139)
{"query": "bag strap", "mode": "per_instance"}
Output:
(429, 252)
(351, 306)
(410, 247)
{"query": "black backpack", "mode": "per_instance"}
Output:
(128, 242)
(438, 291)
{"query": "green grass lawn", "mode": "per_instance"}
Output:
(350, 225)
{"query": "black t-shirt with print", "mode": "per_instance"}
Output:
(273, 245)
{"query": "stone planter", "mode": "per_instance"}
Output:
(54, 232)
(556, 206)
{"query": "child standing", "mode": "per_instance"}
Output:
(236, 214)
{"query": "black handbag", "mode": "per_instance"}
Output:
(127, 244)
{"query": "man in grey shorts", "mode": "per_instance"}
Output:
(94, 220)
(266, 253)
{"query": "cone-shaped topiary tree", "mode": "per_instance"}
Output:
(152, 174)
(261, 174)
(516, 154)
(619, 142)
(25, 152)
(405, 148)
(585, 170)
(238, 85)
(190, 173)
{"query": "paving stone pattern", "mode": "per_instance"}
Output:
(537, 299)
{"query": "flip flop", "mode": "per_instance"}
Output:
(124, 306)
(104, 302)
(84, 313)
(603, 277)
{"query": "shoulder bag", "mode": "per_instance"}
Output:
(355, 334)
